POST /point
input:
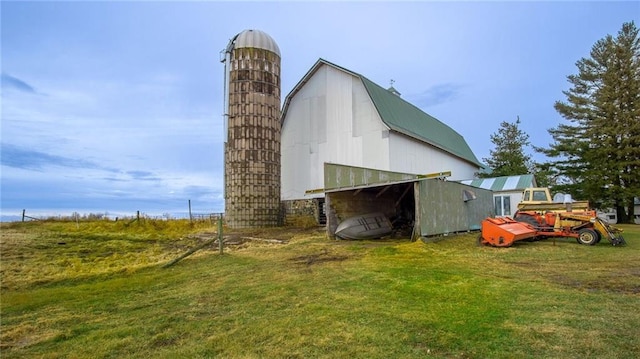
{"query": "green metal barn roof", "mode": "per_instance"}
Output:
(505, 183)
(401, 116)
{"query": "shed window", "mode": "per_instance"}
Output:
(502, 205)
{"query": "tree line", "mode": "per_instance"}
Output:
(595, 152)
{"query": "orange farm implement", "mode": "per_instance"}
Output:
(585, 227)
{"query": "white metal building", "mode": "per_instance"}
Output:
(335, 115)
(507, 191)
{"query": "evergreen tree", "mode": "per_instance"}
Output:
(598, 150)
(546, 175)
(508, 158)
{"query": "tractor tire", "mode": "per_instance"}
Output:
(587, 236)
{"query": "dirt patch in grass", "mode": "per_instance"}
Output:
(369, 243)
(280, 233)
(318, 258)
(602, 277)
(622, 283)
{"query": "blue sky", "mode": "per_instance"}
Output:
(117, 106)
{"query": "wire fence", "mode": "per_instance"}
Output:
(138, 216)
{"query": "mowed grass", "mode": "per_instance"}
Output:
(105, 294)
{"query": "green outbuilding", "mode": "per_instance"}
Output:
(418, 206)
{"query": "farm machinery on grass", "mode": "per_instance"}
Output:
(538, 217)
(584, 226)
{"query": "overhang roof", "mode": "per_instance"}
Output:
(401, 116)
(504, 183)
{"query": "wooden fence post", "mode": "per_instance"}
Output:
(220, 236)
(23, 211)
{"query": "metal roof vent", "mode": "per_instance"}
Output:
(392, 89)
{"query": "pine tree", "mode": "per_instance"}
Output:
(546, 175)
(598, 151)
(508, 158)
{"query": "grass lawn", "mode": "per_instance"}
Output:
(98, 290)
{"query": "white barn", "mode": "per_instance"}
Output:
(335, 115)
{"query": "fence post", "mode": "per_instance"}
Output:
(220, 234)
(190, 215)
(23, 211)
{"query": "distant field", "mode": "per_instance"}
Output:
(98, 289)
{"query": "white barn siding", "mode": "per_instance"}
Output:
(331, 119)
(410, 156)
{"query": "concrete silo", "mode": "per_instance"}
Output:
(252, 126)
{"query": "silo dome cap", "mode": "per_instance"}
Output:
(255, 39)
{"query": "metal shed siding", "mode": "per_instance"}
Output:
(344, 199)
(339, 176)
(443, 210)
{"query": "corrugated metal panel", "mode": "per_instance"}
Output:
(505, 183)
(511, 182)
(475, 182)
(487, 183)
(498, 184)
(341, 177)
(443, 209)
(524, 182)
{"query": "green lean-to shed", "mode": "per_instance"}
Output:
(415, 205)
